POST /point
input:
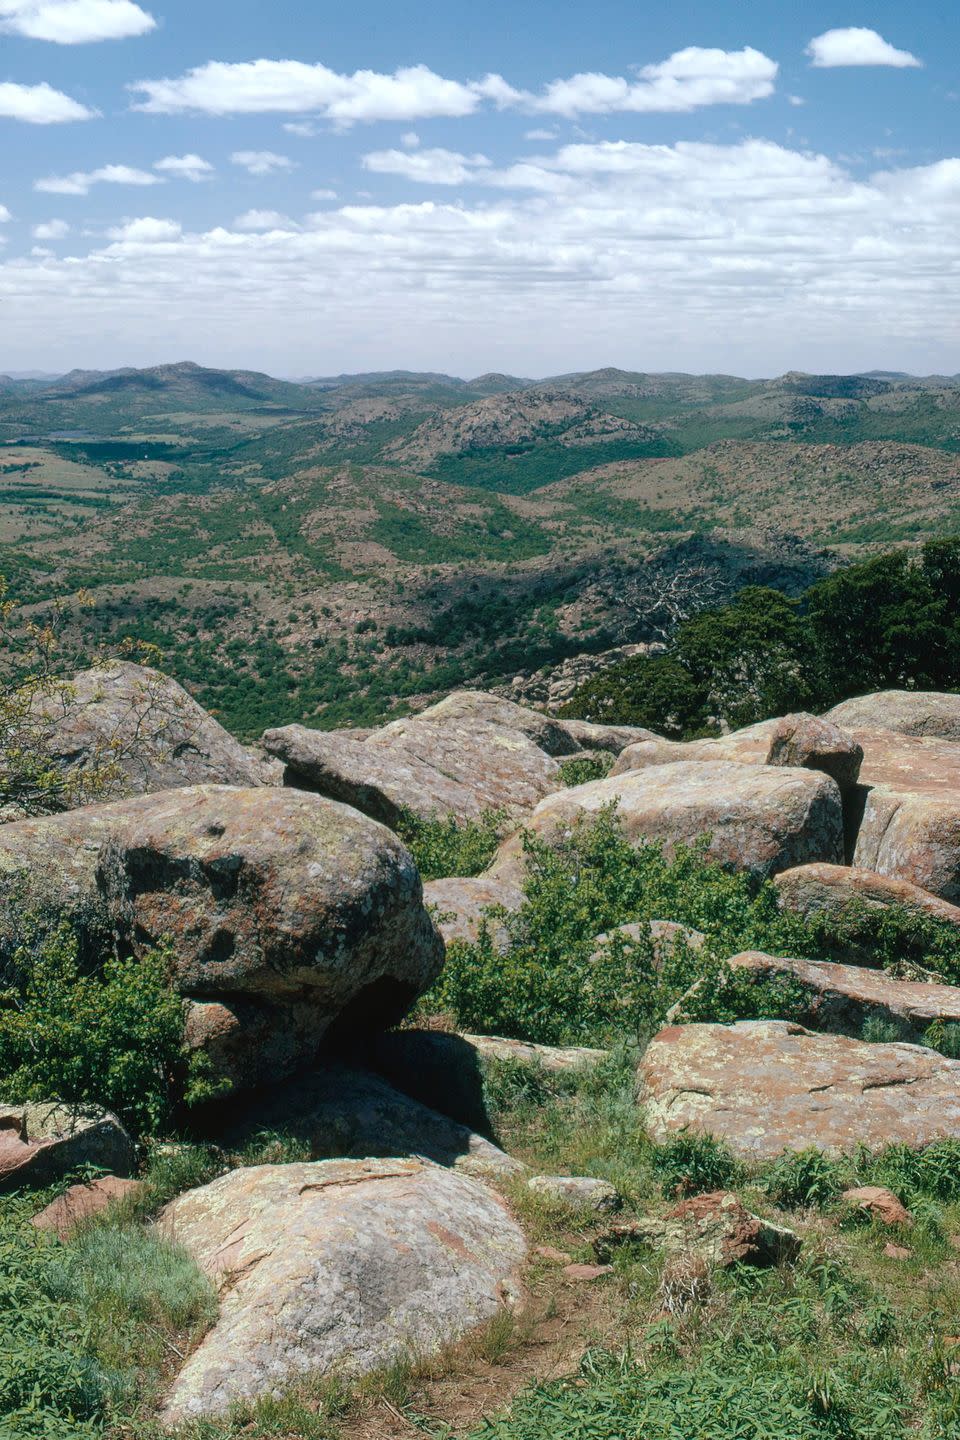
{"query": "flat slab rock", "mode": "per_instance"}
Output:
(468, 754)
(340, 1266)
(843, 997)
(834, 889)
(40, 1142)
(765, 1086)
(760, 818)
(909, 712)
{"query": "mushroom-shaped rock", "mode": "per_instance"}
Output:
(765, 1086)
(759, 818)
(338, 1266)
(284, 910)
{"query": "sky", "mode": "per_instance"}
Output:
(310, 188)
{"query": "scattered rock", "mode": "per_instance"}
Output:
(809, 743)
(287, 912)
(880, 1203)
(896, 1252)
(579, 1192)
(837, 889)
(910, 825)
(841, 998)
(41, 1142)
(586, 1272)
(716, 1228)
(148, 728)
(908, 712)
(760, 819)
(460, 905)
(340, 1265)
(556, 1257)
(81, 1202)
(765, 1086)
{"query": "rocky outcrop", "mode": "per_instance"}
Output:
(759, 818)
(842, 998)
(716, 1228)
(146, 728)
(469, 754)
(609, 738)
(809, 743)
(765, 1086)
(554, 685)
(339, 1266)
(749, 746)
(908, 712)
(910, 796)
(836, 890)
(286, 912)
(43, 1141)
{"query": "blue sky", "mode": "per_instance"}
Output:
(515, 186)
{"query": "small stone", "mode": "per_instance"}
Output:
(556, 1257)
(586, 1272)
(880, 1203)
(580, 1192)
(896, 1252)
(80, 1202)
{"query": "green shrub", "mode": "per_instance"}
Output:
(112, 1038)
(691, 1164)
(723, 995)
(805, 1177)
(583, 768)
(443, 847)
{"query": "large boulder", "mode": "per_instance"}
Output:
(909, 712)
(468, 754)
(842, 998)
(807, 742)
(759, 818)
(749, 746)
(43, 1141)
(611, 738)
(339, 1266)
(460, 905)
(765, 1086)
(146, 728)
(910, 796)
(286, 912)
(838, 890)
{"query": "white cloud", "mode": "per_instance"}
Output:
(540, 135)
(261, 162)
(689, 79)
(5, 215)
(40, 105)
(410, 140)
(857, 46)
(748, 257)
(147, 230)
(796, 100)
(51, 230)
(304, 128)
(323, 194)
(74, 22)
(185, 167)
(218, 88)
(433, 167)
(80, 181)
(263, 220)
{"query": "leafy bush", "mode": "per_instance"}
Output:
(443, 847)
(111, 1038)
(584, 768)
(692, 1164)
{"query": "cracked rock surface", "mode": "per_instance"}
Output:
(765, 1086)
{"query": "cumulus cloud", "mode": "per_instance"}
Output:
(5, 215)
(540, 135)
(185, 167)
(263, 220)
(856, 45)
(685, 81)
(305, 129)
(738, 257)
(434, 167)
(323, 194)
(74, 22)
(261, 162)
(51, 230)
(39, 104)
(81, 181)
(147, 230)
